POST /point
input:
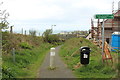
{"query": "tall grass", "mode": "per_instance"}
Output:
(26, 62)
(95, 69)
(29, 54)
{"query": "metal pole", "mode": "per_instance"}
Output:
(13, 54)
(103, 37)
(0, 53)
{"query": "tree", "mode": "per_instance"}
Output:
(3, 25)
(46, 34)
(53, 38)
(49, 37)
(3, 16)
(32, 32)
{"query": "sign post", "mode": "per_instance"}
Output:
(103, 37)
(103, 16)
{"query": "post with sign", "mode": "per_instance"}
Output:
(52, 58)
(103, 37)
(103, 16)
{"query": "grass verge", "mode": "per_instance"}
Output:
(29, 54)
(96, 68)
(27, 62)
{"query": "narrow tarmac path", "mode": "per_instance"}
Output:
(61, 70)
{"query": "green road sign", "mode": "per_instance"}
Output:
(104, 16)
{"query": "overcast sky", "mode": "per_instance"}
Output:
(65, 14)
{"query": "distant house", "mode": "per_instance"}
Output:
(63, 33)
(74, 34)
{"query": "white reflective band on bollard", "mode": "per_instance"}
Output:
(52, 58)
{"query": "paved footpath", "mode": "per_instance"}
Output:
(61, 70)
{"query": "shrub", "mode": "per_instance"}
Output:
(25, 45)
(7, 72)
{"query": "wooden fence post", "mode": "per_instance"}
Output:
(11, 29)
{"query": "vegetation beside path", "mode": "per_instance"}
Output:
(29, 54)
(95, 69)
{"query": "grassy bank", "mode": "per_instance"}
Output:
(29, 54)
(96, 69)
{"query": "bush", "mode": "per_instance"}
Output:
(7, 72)
(25, 45)
(32, 32)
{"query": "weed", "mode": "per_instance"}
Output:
(52, 68)
(25, 45)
